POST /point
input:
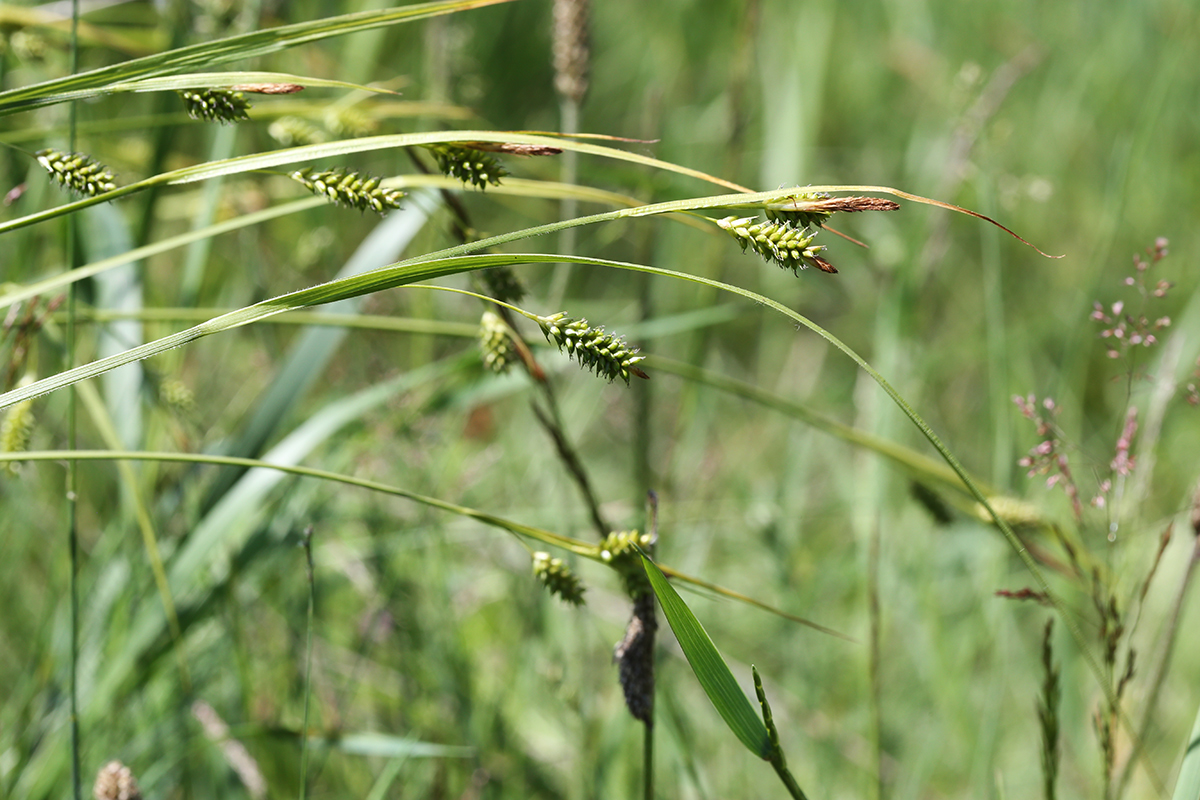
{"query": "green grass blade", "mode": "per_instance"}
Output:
(388, 746)
(1187, 787)
(221, 51)
(208, 80)
(711, 670)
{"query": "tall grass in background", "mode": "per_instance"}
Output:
(232, 616)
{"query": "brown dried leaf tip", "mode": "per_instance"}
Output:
(813, 209)
(515, 149)
(267, 88)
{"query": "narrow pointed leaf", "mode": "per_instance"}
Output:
(244, 46)
(1187, 787)
(711, 670)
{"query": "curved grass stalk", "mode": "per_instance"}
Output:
(452, 260)
(209, 80)
(306, 153)
(307, 109)
(221, 51)
(429, 267)
(517, 187)
(580, 548)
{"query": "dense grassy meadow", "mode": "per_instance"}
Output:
(432, 663)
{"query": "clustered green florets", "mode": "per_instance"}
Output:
(467, 164)
(778, 241)
(502, 283)
(216, 105)
(290, 131)
(77, 171)
(349, 189)
(604, 353)
(495, 340)
(15, 430)
(618, 551)
(558, 578)
(800, 218)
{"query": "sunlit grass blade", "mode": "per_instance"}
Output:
(209, 80)
(221, 51)
(388, 746)
(711, 670)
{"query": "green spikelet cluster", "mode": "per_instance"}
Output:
(779, 242)
(495, 341)
(349, 189)
(216, 105)
(468, 164)
(15, 430)
(502, 283)
(292, 132)
(177, 396)
(558, 578)
(349, 123)
(606, 354)
(77, 172)
(617, 550)
(797, 217)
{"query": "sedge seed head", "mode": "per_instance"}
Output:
(349, 189)
(558, 577)
(77, 172)
(115, 781)
(604, 353)
(467, 164)
(778, 242)
(216, 105)
(495, 343)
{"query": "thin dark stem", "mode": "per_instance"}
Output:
(785, 775)
(552, 422)
(648, 762)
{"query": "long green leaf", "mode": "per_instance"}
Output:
(711, 670)
(1187, 787)
(221, 51)
(210, 80)
(312, 152)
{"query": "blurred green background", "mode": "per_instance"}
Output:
(1073, 124)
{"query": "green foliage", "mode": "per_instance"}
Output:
(440, 668)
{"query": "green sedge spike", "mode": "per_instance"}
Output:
(604, 353)
(77, 172)
(468, 164)
(778, 242)
(216, 105)
(349, 189)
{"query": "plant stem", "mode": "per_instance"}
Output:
(1160, 670)
(306, 541)
(73, 466)
(648, 762)
(552, 422)
(873, 658)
